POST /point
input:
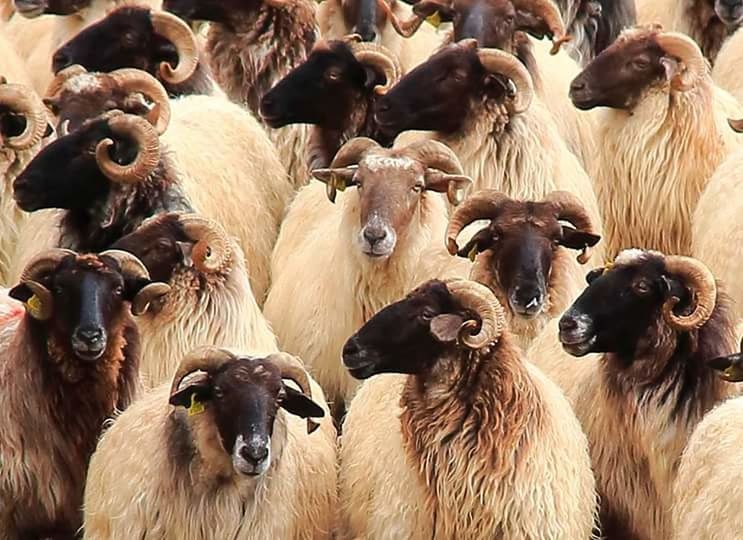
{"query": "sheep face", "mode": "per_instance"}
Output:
(322, 91)
(364, 18)
(407, 336)
(35, 8)
(620, 311)
(730, 12)
(622, 74)
(125, 38)
(242, 398)
(218, 11)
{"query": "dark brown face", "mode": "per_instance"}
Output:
(35, 8)
(218, 11)
(730, 12)
(364, 18)
(621, 74)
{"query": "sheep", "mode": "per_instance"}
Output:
(250, 179)
(522, 254)
(471, 442)
(708, 22)
(23, 124)
(67, 365)
(210, 300)
(339, 18)
(253, 45)
(379, 241)
(227, 444)
(145, 39)
(484, 110)
(649, 323)
(725, 70)
(663, 133)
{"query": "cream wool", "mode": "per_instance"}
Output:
(725, 70)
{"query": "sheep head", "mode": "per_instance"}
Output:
(134, 37)
(82, 299)
(390, 185)
(35, 8)
(640, 59)
(435, 319)
(456, 80)
(240, 397)
(628, 305)
(730, 12)
(521, 241)
(23, 120)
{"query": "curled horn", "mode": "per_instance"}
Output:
(548, 12)
(569, 208)
(349, 154)
(481, 300)
(379, 58)
(291, 368)
(137, 81)
(497, 61)
(700, 281)
(61, 77)
(405, 28)
(20, 100)
(212, 250)
(436, 155)
(131, 266)
(485, 204)
(148, 154)
(687, 51)
(208, 359)
(179, 34)
(37, 268)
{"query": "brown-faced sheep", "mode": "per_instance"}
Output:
(652, 321)
(67, 365)
(472, 442)
(227, 443)
(663, 133)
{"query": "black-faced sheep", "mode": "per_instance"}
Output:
(67, 365)
(653, 322)
(228, 445)
(471, 442)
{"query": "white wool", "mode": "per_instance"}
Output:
(378, 163)
(85, 82)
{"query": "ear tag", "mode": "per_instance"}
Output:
(33, 305)
(434, 20)
(196, 406)
(472, 254)
(338, 183)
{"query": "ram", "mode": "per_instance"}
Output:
(663, 131)
(480, 102)
(471, 442)
(67, 365)
(380, 240)
(249, 180)
(522, 254)
(252, 46)
(653, 321)
(227, 444)
(707, 22)
(210, 300)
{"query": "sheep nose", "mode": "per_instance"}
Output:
(268, 104)
(60, 60)
(254, 452)
(367, 33)
(528, 297)
(567, 323)
(577, 85)
(374, 235)
(351, 349)
(90, 335)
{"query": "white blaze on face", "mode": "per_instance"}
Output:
(243, 464)
(83, 83)
(380, 163)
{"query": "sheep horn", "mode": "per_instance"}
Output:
(291, 368)
(135, 80)
(20, 100)
(548, 12)
(349, 154)
(38, 268)
(497, 61)
(131, 266)
(212, 250)
(405, 28)
(569, 208)
(481, 300)
(61, 77)
(179, 34)
(687, 51)
(438, 156)
(700, 281)
(205, 358)
(148, 155)
(381, 60)
(485, 204)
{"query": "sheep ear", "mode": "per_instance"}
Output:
(575, 239)
(670, 66)
(190, 396)
(454, 185)
(20, 292)
(296, 403)
(445, 328)
(532, 24)
(730, 367)
(594, 274)
(429, 8)
(481, 241)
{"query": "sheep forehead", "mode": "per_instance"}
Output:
(83, 83)
(377, 163)
(635, 255)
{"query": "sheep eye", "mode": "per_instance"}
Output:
(208, 251)
(641, 64)
(418, 188)
(333, 75)
(427, 314)
(119, 290)
(642, 287)
(218, 393)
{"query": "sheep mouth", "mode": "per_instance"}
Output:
(30, 10)
(274, 120)
(88, 353)
(583, 100)
(578, 345)
(361, 372)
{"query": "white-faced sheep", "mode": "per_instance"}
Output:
(480, 102)
(210, 300)
(523, 254)
(663, 133)
(381, 239)
(473, 443)
(652, 321)
(67, 365)
(226, 442)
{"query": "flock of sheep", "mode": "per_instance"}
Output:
(278, 269)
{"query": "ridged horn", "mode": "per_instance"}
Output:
(212, 250)
(148, 154)
(352, 152)
(61, 77)
(208, 359)
(700, 281)
(137, 81)
(687, 51)
(381, 59)
(179, 34)
(481, 300)
(569, 208)
(22, 101)
(404, 28)
(497, 61)
(436, 155)
(484, 204)
(292, 368)
(548, 12)
(37, 268)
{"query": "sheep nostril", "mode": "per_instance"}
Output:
(374, 235)
(351, 348)
(567, 323)
(254, 454)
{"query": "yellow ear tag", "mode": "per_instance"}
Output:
(434, 20)
(196, 406)
(338, 183)
(33, 305)
(472, 254)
